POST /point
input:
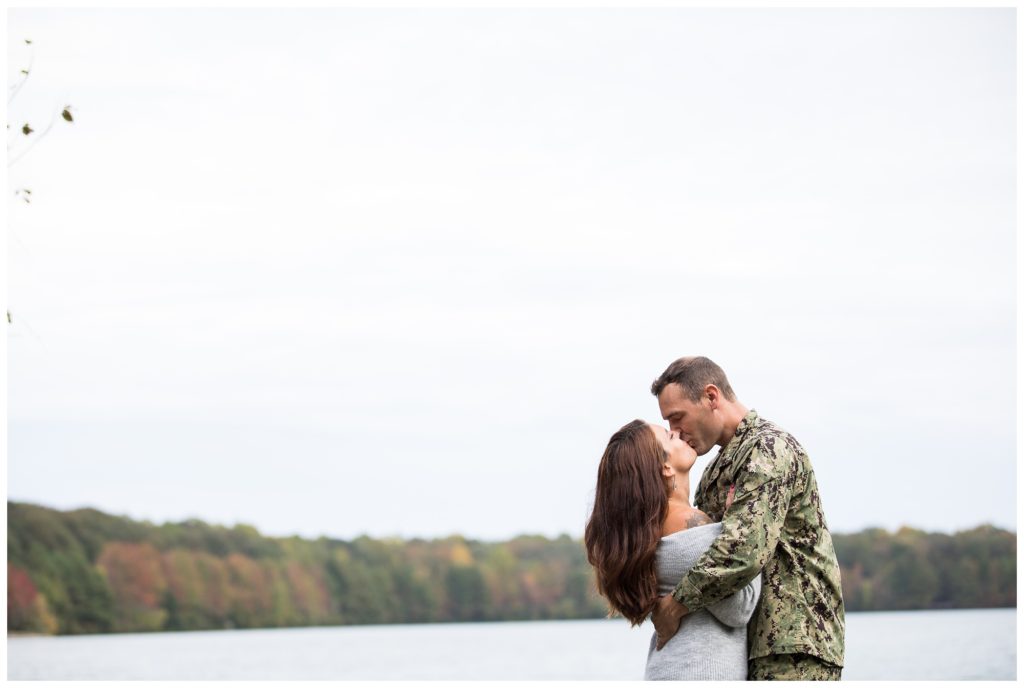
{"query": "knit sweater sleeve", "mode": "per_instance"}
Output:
(736, 609)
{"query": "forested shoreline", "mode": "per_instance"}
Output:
(85, 571)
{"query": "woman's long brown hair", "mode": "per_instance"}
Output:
(622, 535)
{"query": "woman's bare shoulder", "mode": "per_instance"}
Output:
(679, 519)
(697, 518)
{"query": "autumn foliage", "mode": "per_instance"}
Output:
(85, 571)
(191, 575)
(26, 607)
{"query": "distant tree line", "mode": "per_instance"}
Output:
(912, 569)
(85, 571)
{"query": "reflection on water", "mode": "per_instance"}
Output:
(964, 644)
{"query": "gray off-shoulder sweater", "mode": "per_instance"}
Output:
(711, 643)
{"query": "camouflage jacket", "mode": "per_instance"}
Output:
(775, 526)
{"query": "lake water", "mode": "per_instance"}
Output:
(962, 644)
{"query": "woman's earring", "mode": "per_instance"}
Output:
(673, 483)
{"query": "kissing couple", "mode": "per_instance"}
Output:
(742, 584)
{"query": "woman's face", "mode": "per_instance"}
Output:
(681, 456)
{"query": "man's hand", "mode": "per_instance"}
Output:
(667, 616)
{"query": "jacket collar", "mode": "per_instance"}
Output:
(727, 452)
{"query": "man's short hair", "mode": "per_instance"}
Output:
(693, 374)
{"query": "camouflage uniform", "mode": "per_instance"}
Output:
(792, 667)
(775, 526)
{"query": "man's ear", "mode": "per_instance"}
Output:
(714, 395)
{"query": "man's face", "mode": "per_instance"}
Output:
(695, 421)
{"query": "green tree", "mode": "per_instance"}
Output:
(467, 595)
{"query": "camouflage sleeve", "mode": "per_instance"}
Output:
(735, 610)
(750, 529)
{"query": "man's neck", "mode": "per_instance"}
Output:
(734, 413)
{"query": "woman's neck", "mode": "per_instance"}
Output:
(680, 496)
(680, 515)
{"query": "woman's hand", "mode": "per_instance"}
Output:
(667, 615)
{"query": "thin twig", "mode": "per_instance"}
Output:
(22, 323)
(17, 86)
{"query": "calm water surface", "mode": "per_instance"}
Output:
(964, 644)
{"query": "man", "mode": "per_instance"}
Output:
(762, 488)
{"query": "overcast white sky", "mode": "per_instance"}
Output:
(403, 272)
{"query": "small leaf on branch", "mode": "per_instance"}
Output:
(26, 130)
(28, 42)
(25, 72)
(9, 318)
(67, 114)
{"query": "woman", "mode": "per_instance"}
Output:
(643, 536)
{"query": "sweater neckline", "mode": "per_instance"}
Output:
(689, 530)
